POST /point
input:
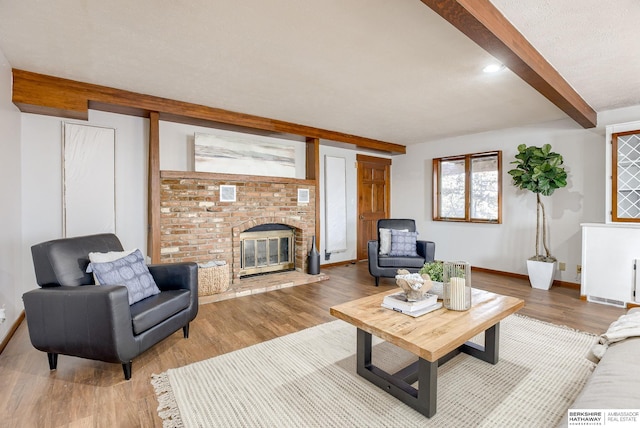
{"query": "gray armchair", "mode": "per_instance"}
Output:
(69, 315)
(386, 265)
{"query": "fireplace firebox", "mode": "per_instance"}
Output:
(267, 248)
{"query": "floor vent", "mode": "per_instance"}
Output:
(604, 301)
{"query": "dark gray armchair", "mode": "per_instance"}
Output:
(387, 265)
(69, 315)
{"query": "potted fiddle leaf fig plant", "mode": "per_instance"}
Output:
(541, 171)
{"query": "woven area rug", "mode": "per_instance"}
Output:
(308, 379)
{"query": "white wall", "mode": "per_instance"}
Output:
(506, 246)
(42, 181)
(11, 286)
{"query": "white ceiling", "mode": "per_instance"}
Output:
(389, 70)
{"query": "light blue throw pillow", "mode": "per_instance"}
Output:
(403, 243)
(130, 271)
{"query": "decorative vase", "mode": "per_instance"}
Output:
(457, 286)
(437, 289)
(313, 260)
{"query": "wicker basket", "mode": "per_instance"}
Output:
(212, 280)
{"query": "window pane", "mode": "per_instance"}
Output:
(452, 188)
(484, 188)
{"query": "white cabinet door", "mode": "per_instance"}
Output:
(608, 256)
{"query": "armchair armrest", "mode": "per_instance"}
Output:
(85, 321)
(372, 252)
(426, 249)
(178, 276)
(175, 276)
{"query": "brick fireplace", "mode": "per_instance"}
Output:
(196, 226)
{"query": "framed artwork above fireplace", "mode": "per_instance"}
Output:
(229, 152)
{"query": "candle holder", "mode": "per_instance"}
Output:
(456, 277)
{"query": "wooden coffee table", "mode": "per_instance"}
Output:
(435, 338)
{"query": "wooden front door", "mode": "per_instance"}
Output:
(374, 193)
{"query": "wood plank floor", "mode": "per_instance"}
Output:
(83, 393)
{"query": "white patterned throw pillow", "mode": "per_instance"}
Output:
(130, 271)
(385, 240)
(403, 243)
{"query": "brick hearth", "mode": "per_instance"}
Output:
(196, 226)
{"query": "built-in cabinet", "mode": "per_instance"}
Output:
(611, 250)
(610, 253)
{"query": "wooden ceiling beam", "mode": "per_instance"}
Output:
(55, 96)
(483, 23)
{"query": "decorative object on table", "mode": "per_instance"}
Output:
(457, 285)
(540, 171)
(414, 285)
(434, 270)
(313, 260)
(398, 302)
(213, 277)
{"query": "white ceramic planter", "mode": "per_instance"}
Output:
(437, 289)
(541, 274)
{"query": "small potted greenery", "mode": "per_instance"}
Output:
(434, 270)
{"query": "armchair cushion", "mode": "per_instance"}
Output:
(400, 262)
(153, 310)
(130, 271)
(403, 243)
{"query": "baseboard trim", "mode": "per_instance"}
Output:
(12, 331)
(556, 283)
(342, 263)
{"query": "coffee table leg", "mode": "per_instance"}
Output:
(422, 399)
(488, 352)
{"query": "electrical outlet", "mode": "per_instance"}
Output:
(562, 266)
(578, 269)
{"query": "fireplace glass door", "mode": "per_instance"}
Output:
(266, 251)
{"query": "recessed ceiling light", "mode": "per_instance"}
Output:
(493, 68)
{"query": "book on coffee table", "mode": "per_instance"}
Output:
(417, 312)
(399, 301)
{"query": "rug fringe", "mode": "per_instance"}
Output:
(167, 406)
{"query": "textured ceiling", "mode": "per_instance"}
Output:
(594, 44)
(389, 70)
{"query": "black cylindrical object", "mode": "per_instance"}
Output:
(313, 261)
